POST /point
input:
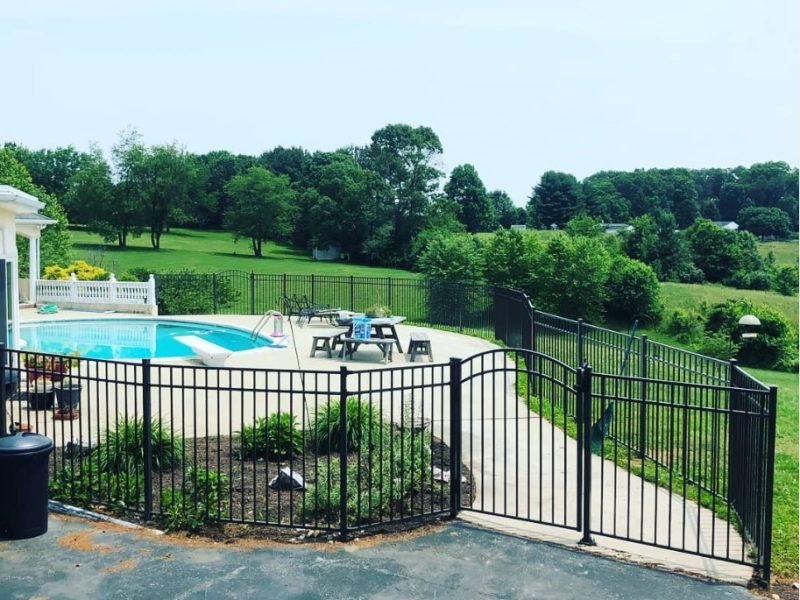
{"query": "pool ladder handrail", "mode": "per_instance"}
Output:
(262, 322)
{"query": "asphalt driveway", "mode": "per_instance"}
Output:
(84, 559)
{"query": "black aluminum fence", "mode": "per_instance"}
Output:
(651, 444)
(188, 443)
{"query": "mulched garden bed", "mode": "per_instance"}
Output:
(279, 514)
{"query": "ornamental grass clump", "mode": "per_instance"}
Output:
(364, 426)
(277, 436)
(123, 448)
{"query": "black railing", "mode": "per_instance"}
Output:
(371, 447)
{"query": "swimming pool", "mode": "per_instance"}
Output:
(132, 338)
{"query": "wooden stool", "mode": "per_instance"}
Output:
(327, 341)
(420, 344)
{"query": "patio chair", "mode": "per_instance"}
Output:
(305, 310)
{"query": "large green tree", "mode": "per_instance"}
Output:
(51, 169)
(56, 244)
(406, 158)
(504, 210)
(167, 177)
(764, 221)
(467, 189)
(90, 196)
(555, 200)
(125, 215)
(261, 209)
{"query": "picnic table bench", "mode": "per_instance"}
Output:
(350, 345)
(383, 328)
(327, 341)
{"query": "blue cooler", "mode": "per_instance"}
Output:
(362, 328)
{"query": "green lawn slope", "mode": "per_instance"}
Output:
(211, 252)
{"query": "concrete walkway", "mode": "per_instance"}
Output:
(522, 465)
(77, 559)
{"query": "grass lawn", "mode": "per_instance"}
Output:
(211, 252)
(691, 295)
(785, 252)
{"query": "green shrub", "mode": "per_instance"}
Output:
(277, 436)
(718, 345)
(775, 345)
(785, 281)
(686, 326)
(86, 485)
(202, 500)
(189, 293)
(123, 448)
(388, 479)
(633, 291)
(364, 423)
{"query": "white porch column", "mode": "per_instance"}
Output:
(34, 266)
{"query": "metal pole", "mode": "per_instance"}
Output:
(580, 343)
(766, 571)
(455, 436)
(148, 439)
(643, 399)
(343, 454)
(586, 401)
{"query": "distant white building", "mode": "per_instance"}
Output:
(729, 225)
(615, 228)
(329, 253)
(519, 227)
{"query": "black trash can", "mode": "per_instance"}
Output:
(23, 492)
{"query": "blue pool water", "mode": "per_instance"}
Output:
(131, 338)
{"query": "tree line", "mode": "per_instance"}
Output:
(382, 202)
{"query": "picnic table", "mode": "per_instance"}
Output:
(382, 328)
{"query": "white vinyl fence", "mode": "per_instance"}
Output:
(127, 296)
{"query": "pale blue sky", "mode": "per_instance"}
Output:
(514, 88)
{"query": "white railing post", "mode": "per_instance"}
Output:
(73, 288)
(112, 288)
(151, 291)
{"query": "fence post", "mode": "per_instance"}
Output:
(455, 436)
(214, 293)
(147, 441)
(642, 399)
(352, 294)
(283, 293)
(151, 290)
(313, 289)
(585, 378)
(252, 293)
(343, 454)
(580, 343)
(766, 570)
(533, 326)
(73, 288)
(389, 292)
(112, 288)
(3, 423)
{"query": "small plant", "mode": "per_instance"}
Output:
(87, 485)
(123, 448)
(277, 436)
(685, 325)
(364, 424)
(387, 480)
(202, 500)
(377, 311)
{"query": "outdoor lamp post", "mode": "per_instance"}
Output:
(749, 322)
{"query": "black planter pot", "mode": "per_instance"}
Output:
(40, 396)
(68, 396)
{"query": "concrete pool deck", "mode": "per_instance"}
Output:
(446, 345)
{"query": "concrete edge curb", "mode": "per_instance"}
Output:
(74, 511)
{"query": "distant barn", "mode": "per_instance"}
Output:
(615, 228)
(729, 225)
